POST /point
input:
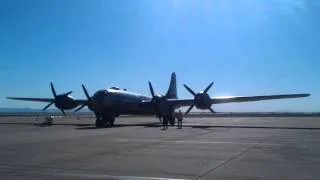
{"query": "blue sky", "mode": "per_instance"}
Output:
(246, 47)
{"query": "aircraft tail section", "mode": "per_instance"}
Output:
(172, 91)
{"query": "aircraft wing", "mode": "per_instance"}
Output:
(78, 101)
(33, 99)
(221, 100)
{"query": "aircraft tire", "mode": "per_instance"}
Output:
(111, 121)
(98, 123)
(108, 121)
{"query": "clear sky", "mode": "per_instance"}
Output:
(246, 47)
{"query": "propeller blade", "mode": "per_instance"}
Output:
(207, 89)
(80, 108)
(189, 109)
(151, 89)
(47, 106)
(53, 90)
(212, 110)
(189, 89)
(85, 92)
(63, 112)
(68, 93)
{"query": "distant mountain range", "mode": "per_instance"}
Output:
(28, 110)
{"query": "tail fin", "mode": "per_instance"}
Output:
(172, 91)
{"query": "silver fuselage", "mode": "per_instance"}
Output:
(118, 101)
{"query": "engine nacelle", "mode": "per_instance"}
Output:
(65, 101)
(160, 104)
(98, 100)
(202, 101)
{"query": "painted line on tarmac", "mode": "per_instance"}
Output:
(105, 176)
(21, 172)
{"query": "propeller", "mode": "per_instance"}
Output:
(151, 90)
(90, 103)
(159, 102)
(89, 100)
(59, 100)
(201, 100)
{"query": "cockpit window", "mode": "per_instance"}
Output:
(115, 88)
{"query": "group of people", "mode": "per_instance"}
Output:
(178, 116)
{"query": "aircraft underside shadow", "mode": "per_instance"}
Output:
(158, 125)
(146, 125)
(42, 124)
(81, 125)
(88, 126)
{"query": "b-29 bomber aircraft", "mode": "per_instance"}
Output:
(107, 104)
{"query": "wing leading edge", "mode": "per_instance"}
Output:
(221, 100)
(78, 101)
(33, 99)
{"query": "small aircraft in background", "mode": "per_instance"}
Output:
(107, 104)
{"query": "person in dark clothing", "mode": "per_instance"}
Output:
(180, 118)
(165, 123)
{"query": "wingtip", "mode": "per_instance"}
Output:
(304, 95)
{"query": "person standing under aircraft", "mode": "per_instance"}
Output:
(180, 118)
(165, 123)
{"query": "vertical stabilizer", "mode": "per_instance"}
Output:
(172, 91)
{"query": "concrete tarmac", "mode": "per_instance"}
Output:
(137, 148)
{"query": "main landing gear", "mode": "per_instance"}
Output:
(105, 121)
(170, 119)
